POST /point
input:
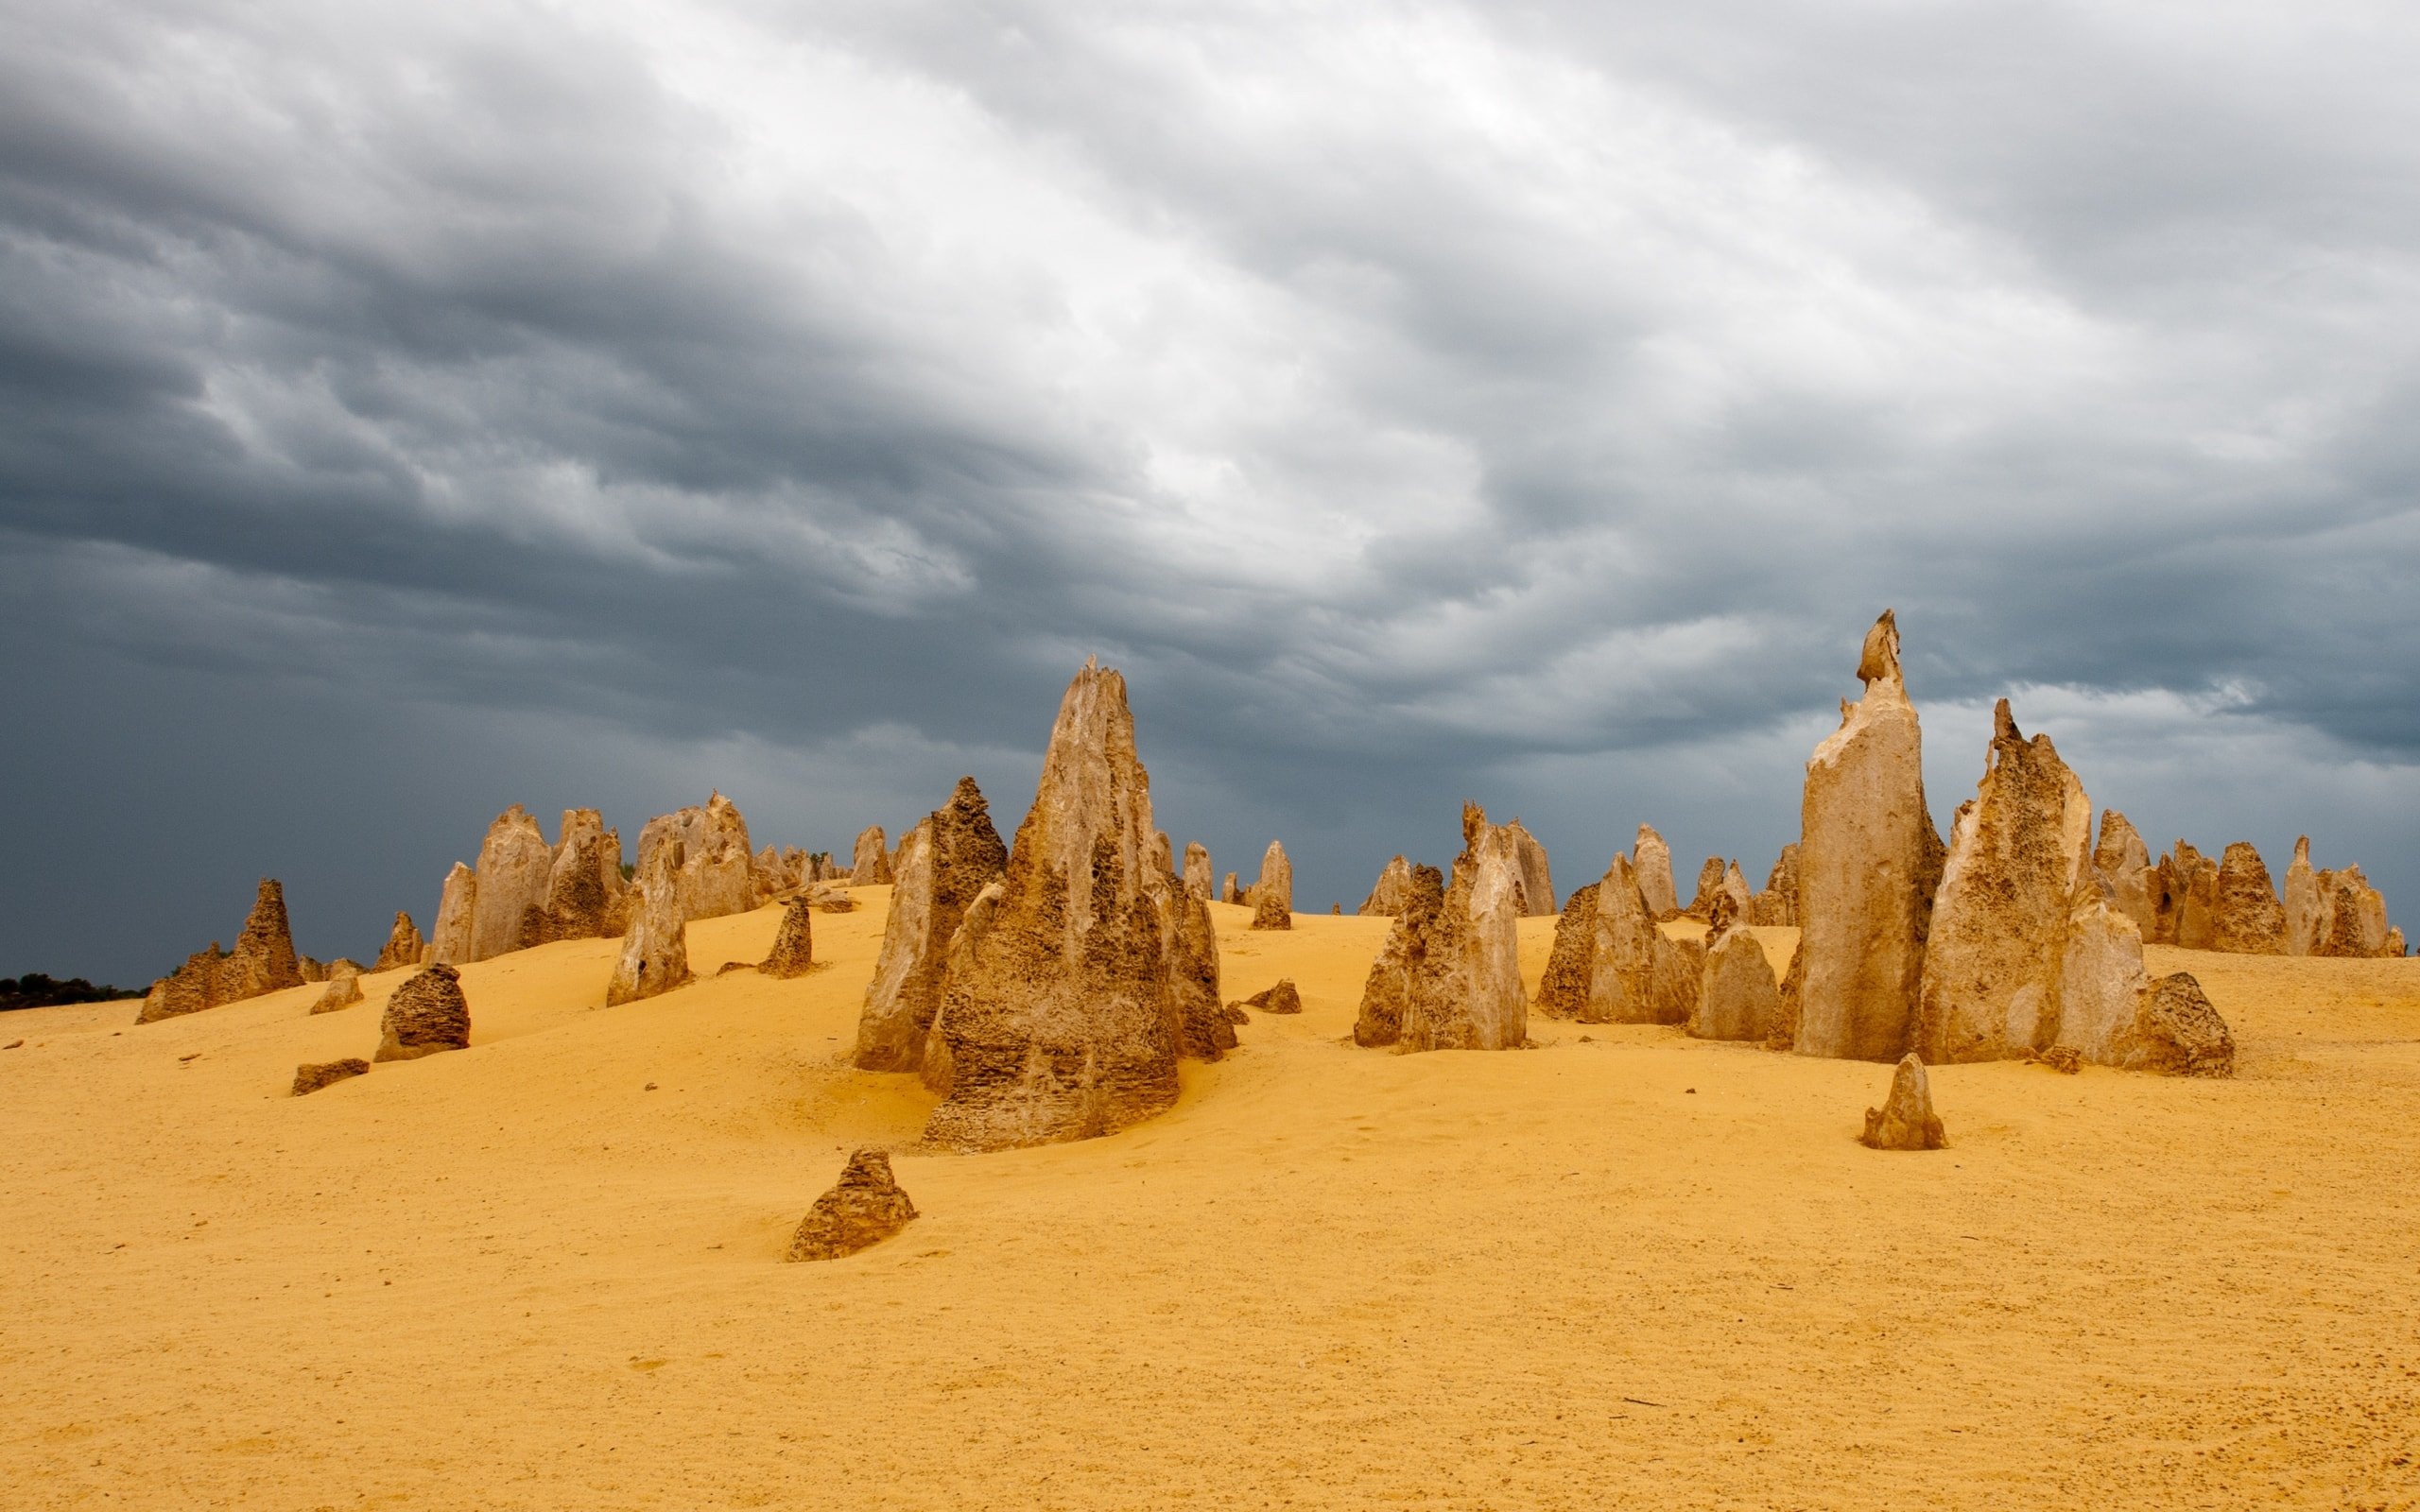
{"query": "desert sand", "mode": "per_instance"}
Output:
(1624, 1268)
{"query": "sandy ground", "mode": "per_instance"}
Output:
(1629, 1269)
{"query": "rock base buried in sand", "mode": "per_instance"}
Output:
(344, 991)
(793, 951)
(1906, 1120)
(427, 1014)
(310, 1077)
(865, 1208)
(1279, 998)
(2177, 1032)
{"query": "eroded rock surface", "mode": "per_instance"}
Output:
(343, 989)
(1386, 993)
(2123, 864)
(404, 946)
(715, 875)
(514, 864)
(866, 1208)
(1651, 864)
(1778, 904)
(1199, 879)
(1272, 895)
(261, 961)
(870, 859)
(943, 863)
(793, 951)
(1468, 993)
(1281, 998)
(1711, 877)
(1563, 991)
(310, 1076)
(1392, 891)
(655, 950)
(1537, 876)
(425, 1015)
(1869, 862)
(1906, 1120)
(450, 936)
(2246, 919)
(1740, 998)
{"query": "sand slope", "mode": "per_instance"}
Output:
(1635, 1270)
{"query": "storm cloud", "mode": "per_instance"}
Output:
(408, 411)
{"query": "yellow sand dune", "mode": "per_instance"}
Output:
(1624, 1268)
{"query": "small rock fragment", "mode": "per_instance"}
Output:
(310, 1076)
(865, 1208)
(1906, 1120)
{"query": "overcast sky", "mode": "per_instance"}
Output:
(407, 411)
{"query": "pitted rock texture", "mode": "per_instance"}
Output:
(1402, 960)
(1906, 1120)
(514, 864)
(1282, 998)
(1740, 999)
(261, 961)
(1059, 1025)
(865, 1208)
(2123, 864)
(426, 1014)
(715, 876)
(943, 864)
(404, 946)
(1652, 863)
(793, 951)
(2353, 915)
(1711, 877)
(344, 991)
(1676, 979)
(2177, 1032)
(655, 951)
(310, 1076)
(2247, 918)
(1272, 895)
(1868, 865)
(1468, 994)
(1392, 891)
(1621, 966)
(1778, 904)
(1563, 992)
(2185, 897)
(1537, 876)
(870, 858)
(1204, 1029)
(2018, 852)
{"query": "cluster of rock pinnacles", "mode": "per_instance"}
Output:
(1048, 989)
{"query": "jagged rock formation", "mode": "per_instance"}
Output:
(2246, 917)
(1229, 892)
(1906, 1120)
(1676, 978)
(1740, 998)
(933, 1064)
(1563, 992)
(2304, 917)
(2184, 897)
(426, 1014)
(1204, 1029)
(655, 951)
(943, 864)
(1282, 998)
(1468, 994)
(2174, 1033)
(311, 967)
(793, 951)
(870, 859)
(261, 961)
(1868, 865)
(579, 895)
(1711, 878)
(1734, 887)
(1537, 877)
(1058, 1024)
(1272, 895)
(1392, 891)
(514, 864)
(404, 946)
(865, 1208)
(2018, 853)
(1402, 963)
(772, 873)
(309, 1077)
(1778, 903)
(715, 876)
(1199, 879)
(2353, 922)
(343, 989)
(450, 936)
(2101, 980)
(2123, 864)
(1652, 863)
(1621, 965)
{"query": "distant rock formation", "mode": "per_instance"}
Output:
(1537, 877)
(1676, 978)
(1906, 1120)
(450, 936)
(2184, 897)
(582, 883)
(1272, 895)
(2018, 850)
(2123, 864)
(1059, 1023)
(1711, 878)
(1563, 992)
(404, 946)
(1282, 998)
(713, 878)
(309, 1077)
(514, 864)
(870, 859)
(1777, 904)
(1621, 963)
(1468, 993)
(1229, 892)
(865, 1208)
(793, 951)
(343, 989)
(2304, 915)
(261, 961)
(311, 967)
(2246, 919)
(655, 950)
(1740, 998)
(2354, 916)
(1651, 864)
(1868, 865)
(943, 864)
(425, 1015)
(1199, 879)
(1204, 1030)
(1403, 961)
(1392, 891)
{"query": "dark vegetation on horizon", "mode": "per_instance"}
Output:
(35, 990)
